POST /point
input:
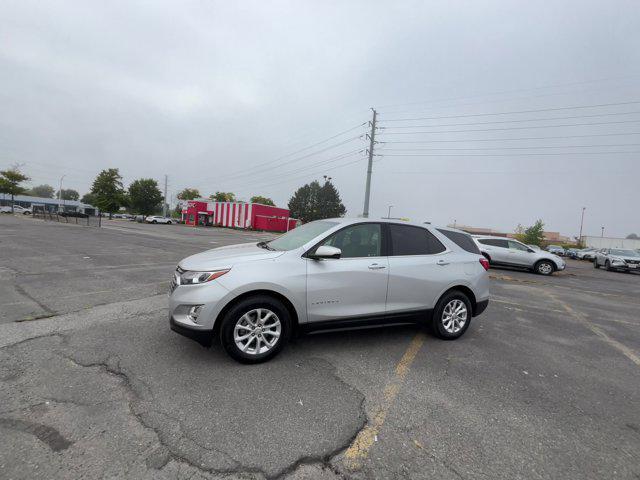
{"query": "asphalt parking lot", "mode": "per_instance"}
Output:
(544, 385)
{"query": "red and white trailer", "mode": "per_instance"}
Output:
(253, 216)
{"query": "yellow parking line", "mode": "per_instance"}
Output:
(626, 351)
(359, 448)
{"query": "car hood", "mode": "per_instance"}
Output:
(626, 258)
(225, 257)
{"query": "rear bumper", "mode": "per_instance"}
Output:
(481, 306)
(203, 337)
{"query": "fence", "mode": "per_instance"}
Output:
(68, 217)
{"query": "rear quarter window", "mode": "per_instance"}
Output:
(463, 240)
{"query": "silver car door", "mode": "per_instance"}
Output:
(420, 267)
(354, 285)
(519, 254)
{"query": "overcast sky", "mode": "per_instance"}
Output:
(219, 96)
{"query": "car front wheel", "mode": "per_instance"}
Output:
(544, 267)
(255, 329)
(595, 263)
(451, 316)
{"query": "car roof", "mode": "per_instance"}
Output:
(352, 220)
(495, 237)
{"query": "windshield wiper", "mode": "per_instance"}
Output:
(265, 245)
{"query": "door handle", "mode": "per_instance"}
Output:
(375, 266)
(442, 262)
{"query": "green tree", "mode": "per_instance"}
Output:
(189, 194)
(43, 191)
(534, 235)
(68, 194)
(633, 236)
(262, 200)
(314, 202)
(144, 196)
(11, 182)
(223, 197)
(88, 198)
(108, 192)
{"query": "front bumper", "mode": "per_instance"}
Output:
(203, 337)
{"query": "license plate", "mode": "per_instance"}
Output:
(633, 265)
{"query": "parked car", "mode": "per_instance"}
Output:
(556, 250)
(617, 259)
(73, 214)
(16, 209)
(329, 274)
(586, 254)
(572, 253)
(158, 219)
(502, 251)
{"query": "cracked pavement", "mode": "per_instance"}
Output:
(99, 387)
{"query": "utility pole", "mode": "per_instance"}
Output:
(164, 206)
(602, 232)
(581, 222)
(60, 193)
(372, 141)
(389, 213)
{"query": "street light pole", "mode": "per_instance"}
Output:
(389, 214)
(581, 223)
(60, 193)
(602, 232)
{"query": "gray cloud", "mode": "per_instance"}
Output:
(207, 92)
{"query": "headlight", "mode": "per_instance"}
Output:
(195, 278)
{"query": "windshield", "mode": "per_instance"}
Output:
(625, 253)
(301, 235)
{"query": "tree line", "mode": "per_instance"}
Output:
(310, 202)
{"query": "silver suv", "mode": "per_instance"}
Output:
(329, 274)
(512, 253)
(617, 259)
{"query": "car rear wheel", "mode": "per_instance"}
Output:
(255, 329)
(544, 267)
(595, 263)
(169, 222)
(451, 316)
(154, 221)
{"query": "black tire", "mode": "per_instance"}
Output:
(607, 265)
(234, 315)
(169, 222)
(595, 263)
(154, 221)
(544, 267)
(437, 326)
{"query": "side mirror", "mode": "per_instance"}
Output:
(325, 251)
(530, 250)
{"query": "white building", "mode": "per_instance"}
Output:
(48, 204)
(611, 242)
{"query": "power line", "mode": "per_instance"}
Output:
(519, 120)
(515, 148)
(513, 128)
(575, 107)
(499, 154)
(561, 137)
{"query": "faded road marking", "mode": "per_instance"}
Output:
(582, 318)
(359, 448)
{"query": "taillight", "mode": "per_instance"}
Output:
(485, 263)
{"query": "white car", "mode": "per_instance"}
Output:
(16, 209)
(158, 219)
(329, 274)
(501, 251)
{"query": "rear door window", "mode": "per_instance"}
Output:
(463, 240)
(410, 240)
(494, 242)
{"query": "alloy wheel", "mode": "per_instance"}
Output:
(454, 316)
(257, 331)
(545, 268)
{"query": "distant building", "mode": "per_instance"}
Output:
(611, 242)
(548, 237)
(48, 204)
